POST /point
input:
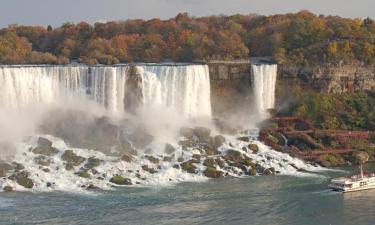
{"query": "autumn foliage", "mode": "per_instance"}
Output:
(301, 38)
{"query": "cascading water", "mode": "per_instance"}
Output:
(264, 84)
(107, 87)
(21, 86)
(185, 89)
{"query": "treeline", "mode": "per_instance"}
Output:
(302, 38)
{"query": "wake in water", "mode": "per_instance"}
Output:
(79, 128)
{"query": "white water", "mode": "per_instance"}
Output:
(264, 84)
(23, 86)
(185, 89)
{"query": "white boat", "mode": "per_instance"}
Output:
(354, 183)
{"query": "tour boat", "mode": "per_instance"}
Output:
(354, 183)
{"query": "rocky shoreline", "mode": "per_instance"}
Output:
(198, 155)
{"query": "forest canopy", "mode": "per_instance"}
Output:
(302, 38)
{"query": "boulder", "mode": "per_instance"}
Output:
(44, 147)
(92, 162)
(219, 140)
(209, 162)
(202, 133)
(167, 159)
(234, 156)
(187, 132)
(253, 147)
(152, 159)
(140, 138)
(42, 160)
(119, 180)
(4, 168)
(169, 149)
(69, 166)
(245, 139)
(8, 189)
(148, 169)
(220, 162)
(269, 171)
(72, 158)
(84, 174)
(189, 167)
(127, 158)
(210, 150)
(23, 180)
(18, 166)
(212, 172)
(196, 157)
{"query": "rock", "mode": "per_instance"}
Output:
(46, 170)
(167, 159)
(196, 157)
(18, 166)
(148, 169)
(252, 171)
(187, 132)
(44, 147)
(4, 168)
(152, 159)
(209, 162)
(212, 172)
(189, 167)
(202, 133)
(8, 189)
(44, 143)
(233, 155)
(269, 171)
(69, 166)
(245, 139)
(92, 162)
(325, 163)
(209, 150)
(219, 140)
(119, 180)
(72, 158)
(140, 138)
(42, 160)
(25, 181)
(48, 184)
(176, 166)
(180, 159)
(83, 174)
(253, 147)
(169, 149)
(220, 162)
(127, 158)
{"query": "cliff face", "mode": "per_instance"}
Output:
(230, 86)
(330, 78)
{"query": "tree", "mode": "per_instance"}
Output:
(280, 56)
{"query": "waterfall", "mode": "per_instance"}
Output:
(264, 84)
(21, 86)
(107, 87)
(184, 88)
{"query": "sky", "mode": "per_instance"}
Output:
(57, 12)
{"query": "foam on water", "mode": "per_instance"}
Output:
(64, 180)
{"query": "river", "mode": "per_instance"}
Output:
(253, 200)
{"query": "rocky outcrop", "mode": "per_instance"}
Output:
(330, 78)
(230, 82)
